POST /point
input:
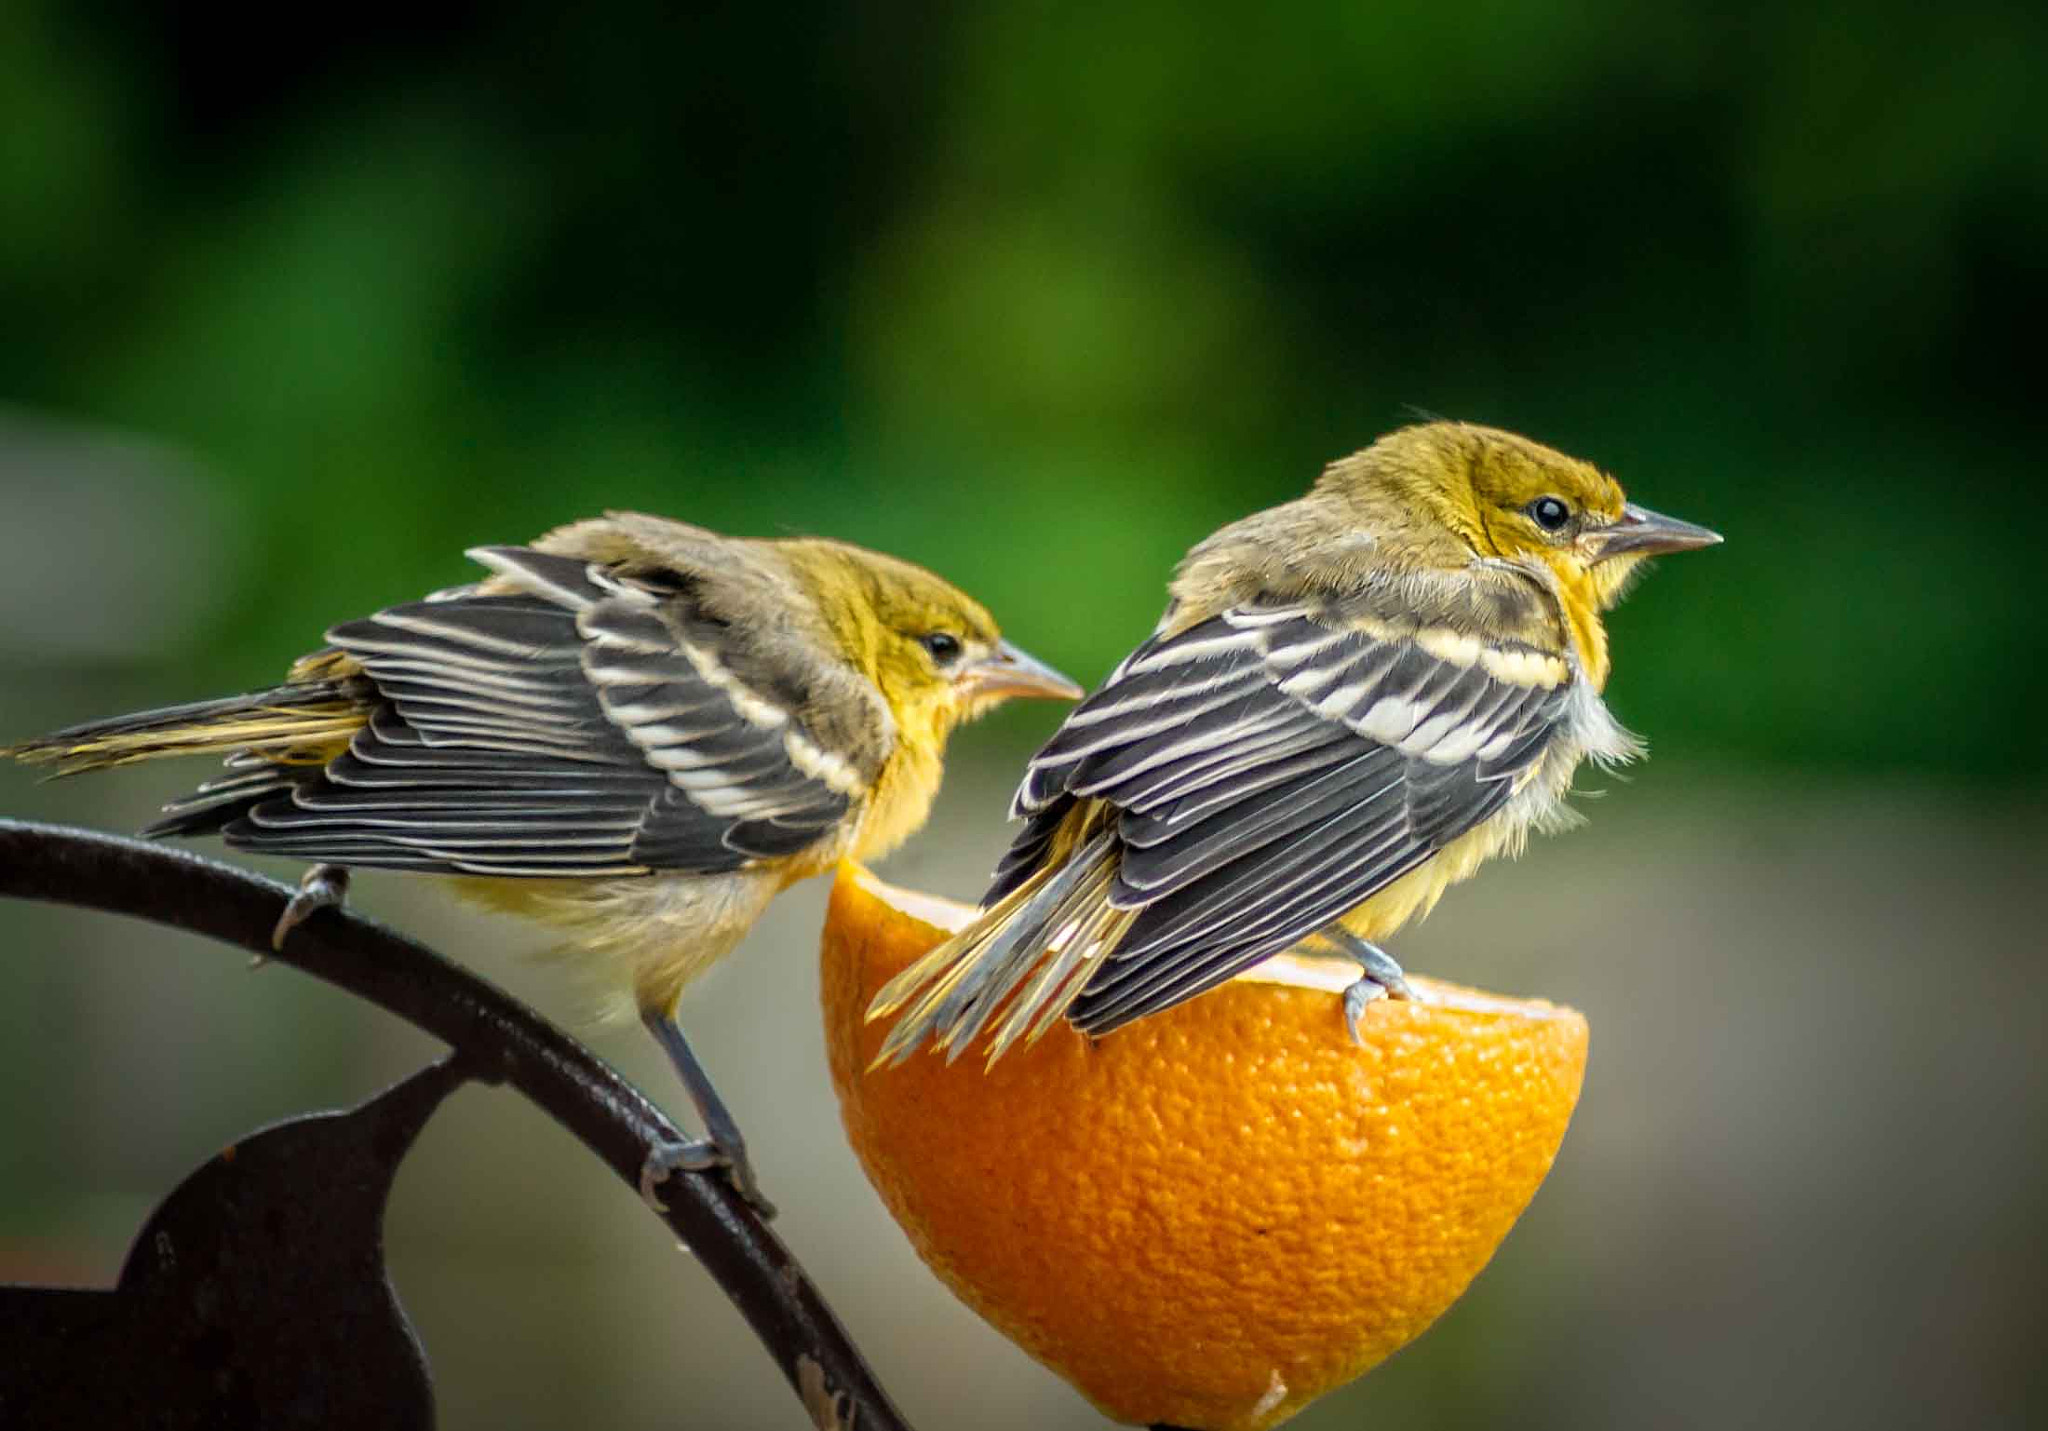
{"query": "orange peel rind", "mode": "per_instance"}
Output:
(1218, 1214)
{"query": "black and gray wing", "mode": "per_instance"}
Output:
(575, 724)
(1270, 769)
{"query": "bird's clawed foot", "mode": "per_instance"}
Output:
(1383, 977)
(720, 1147)
(321, 887)
(699, 1155)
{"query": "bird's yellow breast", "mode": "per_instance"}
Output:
(1579, 598)
(901, 799)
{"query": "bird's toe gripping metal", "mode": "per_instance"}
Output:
(321, 887)
(691, 1155)
(699, 1155)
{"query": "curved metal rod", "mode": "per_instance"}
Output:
(501, 1040)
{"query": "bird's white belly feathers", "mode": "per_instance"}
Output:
(648, 935)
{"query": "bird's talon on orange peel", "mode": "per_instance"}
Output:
(1356, 999)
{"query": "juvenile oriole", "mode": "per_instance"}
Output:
(636, 729)
(1352, 701)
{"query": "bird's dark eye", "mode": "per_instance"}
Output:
(942, 646)
(1550, 513)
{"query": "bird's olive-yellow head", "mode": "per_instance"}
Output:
(1454, 491)
(933, 651)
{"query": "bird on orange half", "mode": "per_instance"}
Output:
(1352, 701)
(634, 729)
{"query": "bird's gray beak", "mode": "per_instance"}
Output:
(1642, 532)
(1007, 671)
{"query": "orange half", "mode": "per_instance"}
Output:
(1211, 1217)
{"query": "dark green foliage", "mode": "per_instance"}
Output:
(1038, 299)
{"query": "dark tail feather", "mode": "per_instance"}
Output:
(301, 721)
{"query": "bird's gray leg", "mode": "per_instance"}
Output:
(1382, 978)
(720, 1147)
(321, 887)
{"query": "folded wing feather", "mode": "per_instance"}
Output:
(1267, 771)
(561, 720)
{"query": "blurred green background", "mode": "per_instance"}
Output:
(1037, 296)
